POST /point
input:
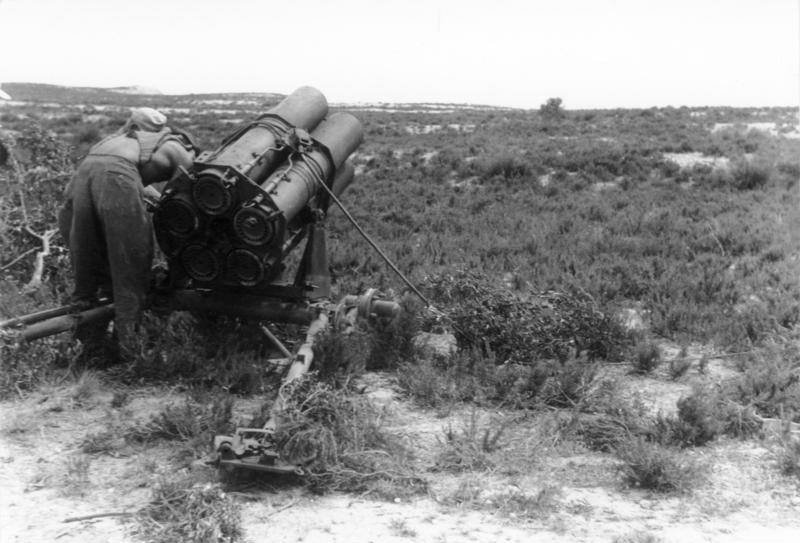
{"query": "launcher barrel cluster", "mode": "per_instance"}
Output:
(231, 219)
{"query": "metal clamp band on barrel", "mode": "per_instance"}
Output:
(365, 303)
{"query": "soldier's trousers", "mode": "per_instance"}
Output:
(109, 233)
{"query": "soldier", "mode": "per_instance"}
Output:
(104, 219)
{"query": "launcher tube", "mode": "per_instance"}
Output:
(293, 185)
(253, 150)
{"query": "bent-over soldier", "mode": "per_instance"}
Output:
(105, 222)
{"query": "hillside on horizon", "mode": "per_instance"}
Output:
(137, 95)
(125, 96)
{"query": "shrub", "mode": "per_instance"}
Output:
(103, 442)
(74, 479)
(506, 166)
(612, 420)
(469, 448)
(470, 376)
(430, 384)
(552, 109)
(646, 357)
(521, 329)
(769, 381)
(678, 367)
(749, 176)
(699, 420)
(193, 420)
(789, 457)
(338, 438)
(207, 351)
(704, 415)
(517, 505)
(392, 342)
(655, 467)
(338, 357)
(570, 385)
(181, 510)
(24, 366)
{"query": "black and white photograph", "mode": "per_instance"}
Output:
(399, 271)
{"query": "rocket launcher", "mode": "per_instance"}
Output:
(230, 221)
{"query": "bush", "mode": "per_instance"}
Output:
(338, 438)
(206, 351)
(181, 510)
(522, 329)
(611, 420)
(750, 176)
(552, 109)
(789, 457)
(508, 167)
(193, 420)
(770, 381)
(655, 467)
(571, 384)
(338, 357)
(646, 357)
(699, 420)
(435, 383)
(392, 342)
(469, 448)
(704, 415)
(678, 367)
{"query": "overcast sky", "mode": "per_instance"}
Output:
(591, 53)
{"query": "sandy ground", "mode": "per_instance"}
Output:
(742, 497)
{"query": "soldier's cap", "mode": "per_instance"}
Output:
(148, 119)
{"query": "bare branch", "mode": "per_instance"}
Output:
(38, 269)
(20, 257)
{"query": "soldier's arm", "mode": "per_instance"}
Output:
(166, 161)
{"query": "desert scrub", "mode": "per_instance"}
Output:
(748, 175)
(508, 167)
(646, 357)
(338, 358)
(194, 420)
(770, 380)
(470, 447)
(206, 351)
(467, 375)
(182, 510)
(337, 436)
(611, 419)
(656, 467)
(517, 328)
(705, 414)
(26, 366)
(23, 365)
(74, 478)
(789, 456)
(471, 376)
(392, 342)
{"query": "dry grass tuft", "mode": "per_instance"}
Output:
(182, 510)
(74, 480)
(789, 457)
(655, 467)
(194, 420)
(470, 448)
(338, 437)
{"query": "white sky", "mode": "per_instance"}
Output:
(592, 54)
